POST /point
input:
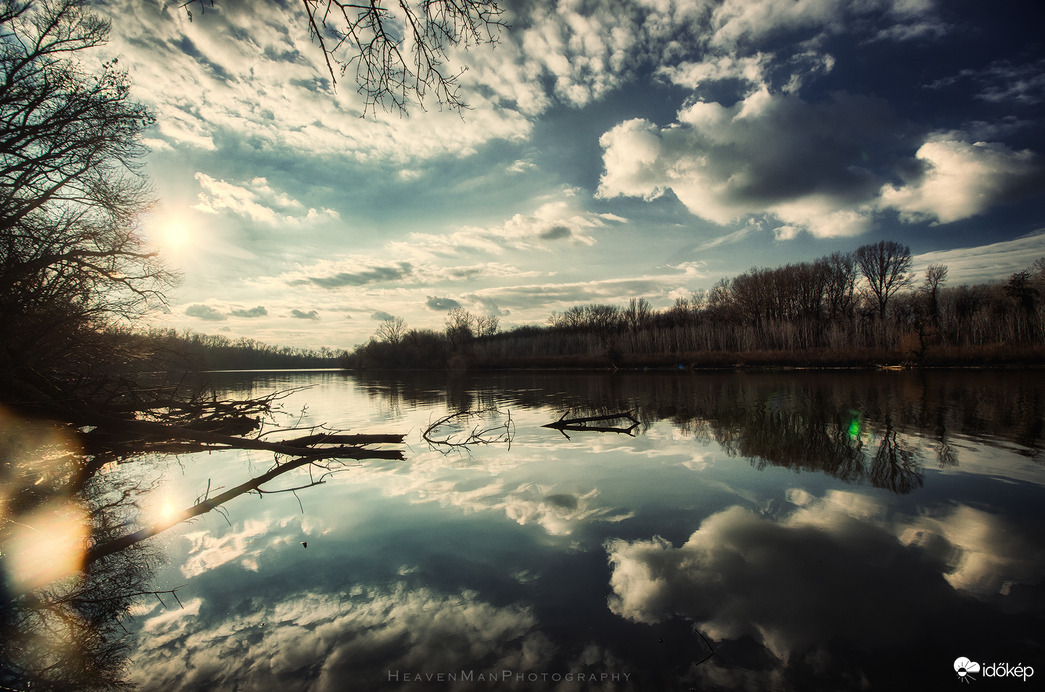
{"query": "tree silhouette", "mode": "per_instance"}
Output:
(885, 266)
(935, 275)
(72, 262)
(392, 330)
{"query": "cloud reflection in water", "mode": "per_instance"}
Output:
(340, 641)
(834, 576)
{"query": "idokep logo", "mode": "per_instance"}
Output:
(967, 670)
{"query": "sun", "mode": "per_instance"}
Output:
(174, 234)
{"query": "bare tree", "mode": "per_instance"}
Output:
(935, 275)
(1021, 290)
(885, 266)
(398, 50)
(392, 330)
(638, 314)
(72, 261)
(460, 327)
(486, 325)
(841, 280)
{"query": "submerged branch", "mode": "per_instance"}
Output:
(479, 435)
(578, 424)
(207, 504)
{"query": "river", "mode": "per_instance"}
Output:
(764, 531)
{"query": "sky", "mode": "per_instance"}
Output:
(611, 149)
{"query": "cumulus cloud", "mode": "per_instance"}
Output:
(255, 200)
(381, 316)
(441, 304)
(985, 555)
(302, 315)
(204, 312)
(813, 167)
(768, 154)
(960, 179)
(258, 311)
(487, 305)
(788, 603)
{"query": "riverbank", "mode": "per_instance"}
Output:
(994, 356)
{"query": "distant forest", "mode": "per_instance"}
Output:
(167, 349)
(847, 309)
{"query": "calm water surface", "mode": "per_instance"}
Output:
(754, 531)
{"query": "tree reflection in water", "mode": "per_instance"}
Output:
(64, 630)
(72, 560)
(858, 427)
(61, 620)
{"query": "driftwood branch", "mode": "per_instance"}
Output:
(580, 424)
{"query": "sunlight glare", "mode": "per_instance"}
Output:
(175, 234)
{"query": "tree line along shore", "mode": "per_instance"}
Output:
(858, 309)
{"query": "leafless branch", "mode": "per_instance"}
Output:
(442, 433)
(397, 50)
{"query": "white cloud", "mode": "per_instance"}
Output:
(544, 229)
(559, 513)
(984, 263)
(257, 201)
(806, 166)
(985, 556)
(693, 75)
(740, 22)
(250, 73)
(348, 639)
(204, 312)
(208, 551)
(789, 595)
(768, 154)
(961, 179)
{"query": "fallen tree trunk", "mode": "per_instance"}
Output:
(119, 437)
(295, 447)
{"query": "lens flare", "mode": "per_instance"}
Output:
(855, 425)
(47, 542)
(46, 545)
